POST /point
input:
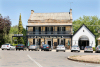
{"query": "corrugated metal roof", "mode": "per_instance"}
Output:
(43, 16)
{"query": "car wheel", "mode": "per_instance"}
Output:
(16, 49)
(2, 49)
(92, 52)
(71, 51)
(19, 49)
(64, 50)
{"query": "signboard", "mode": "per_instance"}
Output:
(15, 40)
(18, 34)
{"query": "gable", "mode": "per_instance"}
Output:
(85, 29)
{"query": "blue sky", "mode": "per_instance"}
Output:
(13, 8)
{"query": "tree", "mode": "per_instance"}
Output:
(20, 30)
(92, 22)
(13, 30)
(5, 25)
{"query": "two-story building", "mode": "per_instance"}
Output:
(50, 28)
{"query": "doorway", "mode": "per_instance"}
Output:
(83, 42)
(49, 43)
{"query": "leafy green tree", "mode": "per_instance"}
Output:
(20, 30)
(13, 30)
(92, 22)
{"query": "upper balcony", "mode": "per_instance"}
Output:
(49, 30)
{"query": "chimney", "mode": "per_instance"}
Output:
(70, 14)
(32, 11)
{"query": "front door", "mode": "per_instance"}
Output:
(49, 43)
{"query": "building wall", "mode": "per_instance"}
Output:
(98, 42)
(30, 41)
(30, 28)
(86, 33)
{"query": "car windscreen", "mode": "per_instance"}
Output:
(20, 45)
(99, 47)
(60, 45)
(88, 47)
(74, 46)
(6, 44)
(45, 45)
(32, 45)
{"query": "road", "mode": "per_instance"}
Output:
(12, 58)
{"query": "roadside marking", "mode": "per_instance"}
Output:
(34, 61)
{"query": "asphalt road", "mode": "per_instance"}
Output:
(12, 58)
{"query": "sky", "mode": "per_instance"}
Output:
(13, 8)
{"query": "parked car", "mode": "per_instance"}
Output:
(60, 48)
(88, 49)
(97, 49)
(20, 47)
(7, 46)
(34, 47)
(75, 48)
(46, 47)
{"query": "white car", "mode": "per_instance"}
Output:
(60, 48)
(7, 46)
(75, 48)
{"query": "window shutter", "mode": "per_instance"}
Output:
(33, 30)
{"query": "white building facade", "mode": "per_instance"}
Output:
(83, 37)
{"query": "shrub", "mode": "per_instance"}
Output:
(93, 48)
(14, 44)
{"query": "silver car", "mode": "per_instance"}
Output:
(75, 48)
(60, 48)
(88, 49)
(33, 47)
(97, 49)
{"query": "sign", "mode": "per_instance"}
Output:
(18, 34)
(15, 40)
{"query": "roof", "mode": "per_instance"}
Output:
(81, 27)
(43, 16)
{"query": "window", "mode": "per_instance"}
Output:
(49, 29)
(62, 41)
(60, 28)
(36, 28)
(83, 30)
